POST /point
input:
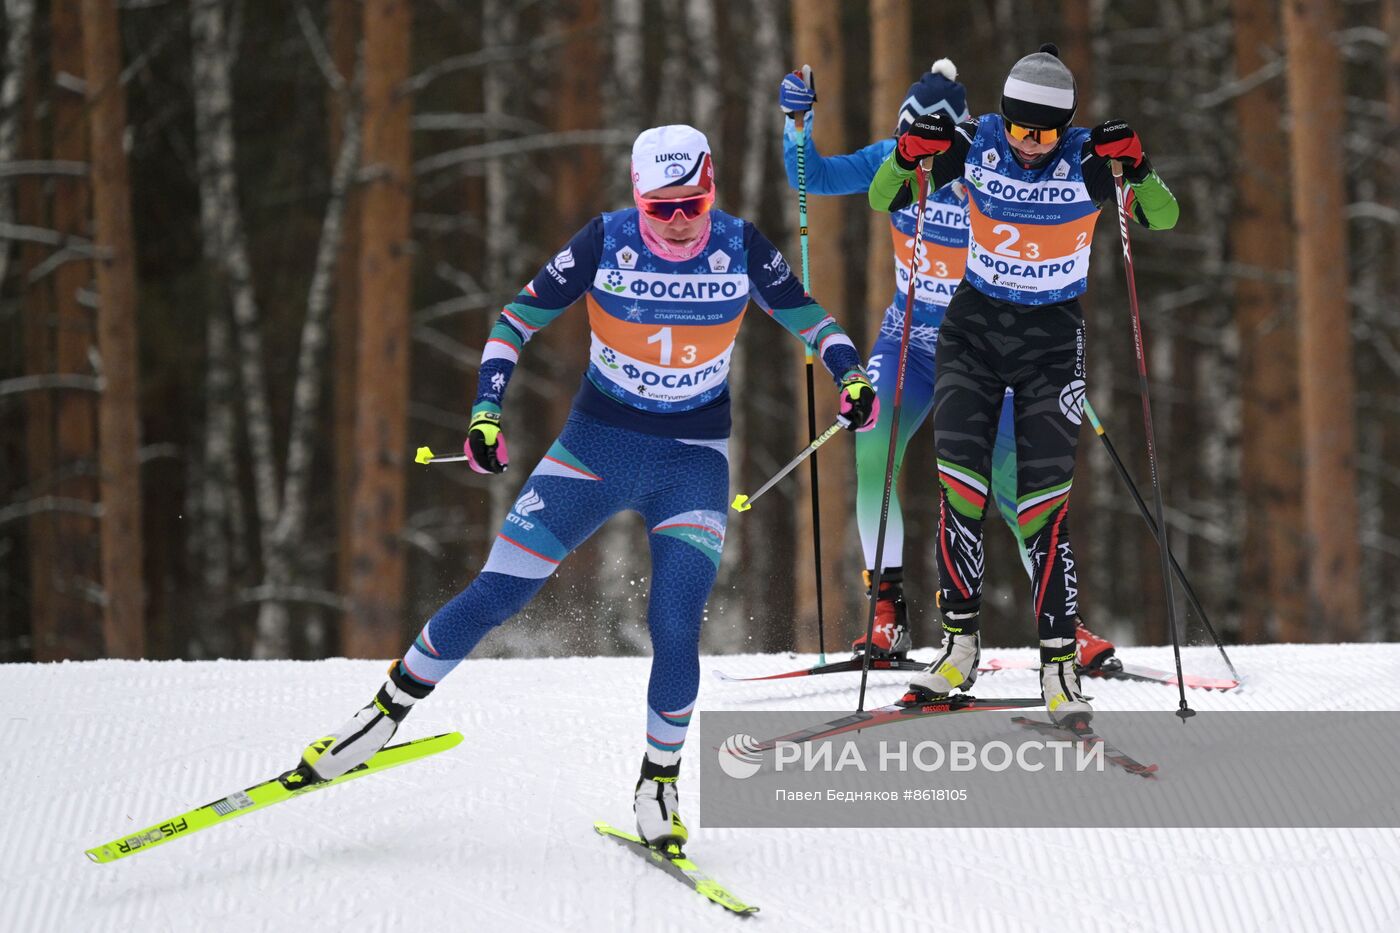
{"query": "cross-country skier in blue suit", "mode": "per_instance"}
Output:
(666, 284)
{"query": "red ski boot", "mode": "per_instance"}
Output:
(891, 636)
(1093, 651)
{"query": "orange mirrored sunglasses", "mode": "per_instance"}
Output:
(664, 209)
(1018, 131)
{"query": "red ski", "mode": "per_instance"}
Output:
(1114, 669)
(835, 667)
(869, 719)
(1087, 737)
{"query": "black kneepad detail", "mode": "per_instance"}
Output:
(407, 684)
(655, 772)
(961, 616)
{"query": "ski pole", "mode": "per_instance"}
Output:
(922, 175)
(743, 503)
(1163, 547)
(1152, 527)
(800, 120)
(425, 455)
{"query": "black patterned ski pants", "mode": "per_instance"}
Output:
(984, 346)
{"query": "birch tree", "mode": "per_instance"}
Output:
(704, 78)
(281, 507)
(344, 20)
(669, 35)
(623, 107)
(225, 246)
(224, 250)
(19, 20)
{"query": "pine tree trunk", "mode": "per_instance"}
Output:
(37, 301)
(819, 43)
(74, 566)
(373, 627)
(1390, 190)
(1316, 106)
(118, 416)
(1272, 572)
(574, 192)
(891, 73)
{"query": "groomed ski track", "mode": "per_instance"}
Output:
(497, 834)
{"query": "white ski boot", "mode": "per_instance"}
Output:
(955, 668)
(657, 803)
(367, 732)
(1059, 684)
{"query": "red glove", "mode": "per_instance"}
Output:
(930, 135)
(1117, 140)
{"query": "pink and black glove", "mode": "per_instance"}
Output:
(1117, 140)
(486, 445)
(929, 135)
(860, 406)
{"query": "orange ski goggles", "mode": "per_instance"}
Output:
(1044, 137)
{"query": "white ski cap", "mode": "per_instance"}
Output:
(671, 155)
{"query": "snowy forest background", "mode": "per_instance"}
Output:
(250, 249)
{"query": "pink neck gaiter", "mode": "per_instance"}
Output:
(663, 247)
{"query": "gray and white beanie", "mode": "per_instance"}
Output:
(1040, 91)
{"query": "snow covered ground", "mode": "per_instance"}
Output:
(496, 834)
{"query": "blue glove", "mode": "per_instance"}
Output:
(798, 91)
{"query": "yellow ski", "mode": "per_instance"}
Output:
(675, 863)
(283, 787)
